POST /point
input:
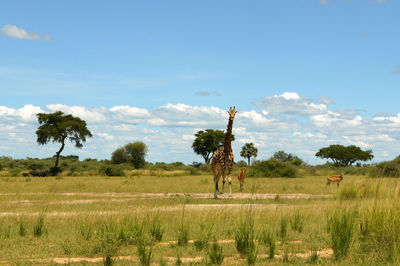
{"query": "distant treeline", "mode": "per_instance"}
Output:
(273, 167)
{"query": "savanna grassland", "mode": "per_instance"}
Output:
(172, 219)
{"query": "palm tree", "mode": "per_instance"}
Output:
(248, 151)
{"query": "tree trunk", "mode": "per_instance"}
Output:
(59, 152)
(248, 161)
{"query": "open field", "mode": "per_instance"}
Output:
(86, 219)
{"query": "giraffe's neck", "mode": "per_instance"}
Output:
(228, 137)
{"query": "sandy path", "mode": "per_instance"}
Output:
(325, 253)
(176, 195)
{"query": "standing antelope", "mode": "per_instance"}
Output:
(241, 178)
(335, 178)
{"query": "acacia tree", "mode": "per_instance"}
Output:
(248, 151)
(344, 156)
(208, 142)
(59, 127)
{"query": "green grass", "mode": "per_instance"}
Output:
(103, 217)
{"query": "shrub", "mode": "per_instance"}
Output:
(273, 168)
(113, 170)
(14, 171)
(55, 171)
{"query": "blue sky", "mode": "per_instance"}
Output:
(304, 74)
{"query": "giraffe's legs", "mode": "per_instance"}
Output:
(230, 167)
(223, 179)
(217, 174)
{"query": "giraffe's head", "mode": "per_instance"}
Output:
(232, 112)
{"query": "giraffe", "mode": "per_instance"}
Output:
(223, 158)
(241, 178)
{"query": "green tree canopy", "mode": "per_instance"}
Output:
(119, 156)
(287, 157)
(58, 127)
(248, 151)
(132, 152)
(344, 156)
(208, 142)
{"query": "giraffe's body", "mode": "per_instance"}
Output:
(223, 159)
(241, 178)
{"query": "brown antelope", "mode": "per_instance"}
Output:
(335, 179)
(241, 178)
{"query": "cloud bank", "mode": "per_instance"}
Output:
(288, 122)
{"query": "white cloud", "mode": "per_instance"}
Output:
(94, 115)
(105, 136)
(13, 31)
(291, 103)
(25, 114)
(169, 129)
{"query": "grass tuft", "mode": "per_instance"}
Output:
(215, 253)
(268, 239)
(341, 228)
(245, 238)
(39, 228)
(145, 254)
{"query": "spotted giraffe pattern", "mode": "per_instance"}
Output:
(223, 159)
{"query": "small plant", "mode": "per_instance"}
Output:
(66, 246)
(215, 253)
(285, 255)
(145, 254)
(313, 250)
(297, 222)
(268, 238)
(183, 235)
(7, 231)
(314, 254)
(183, 231)
(202, 242)
(86, 231)
(109, 243)
(178, 258)
(252, 254)
(156, 230)
(341, 227)
(22, 228)
(39, 228)
(245, 238)
(283, 229)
